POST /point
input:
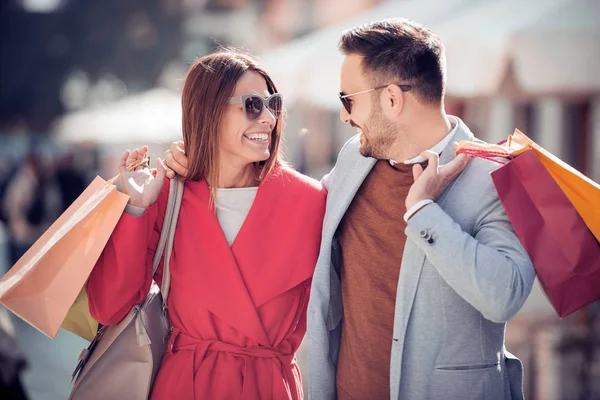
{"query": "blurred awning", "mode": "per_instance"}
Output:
(149, 117)
(308, 69)
(549, 46)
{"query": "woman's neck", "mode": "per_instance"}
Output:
(235, 177)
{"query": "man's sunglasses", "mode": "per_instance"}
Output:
(347, 103)
(254, 105)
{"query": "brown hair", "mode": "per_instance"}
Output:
(209, 84)
(399, 49)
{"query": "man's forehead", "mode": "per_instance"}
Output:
(352, 72)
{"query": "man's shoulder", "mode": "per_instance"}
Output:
(475, 183)
(349, 156)
(350, 149)
(349, 159)
(481, 168)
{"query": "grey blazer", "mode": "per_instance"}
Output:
(454, 294)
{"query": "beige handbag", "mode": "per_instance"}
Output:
(122, 361)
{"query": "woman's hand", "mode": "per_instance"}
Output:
(141, 185)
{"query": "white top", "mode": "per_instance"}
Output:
(233, 206)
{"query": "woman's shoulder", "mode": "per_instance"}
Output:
(299, 182)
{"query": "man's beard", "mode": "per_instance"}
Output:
(378, 136)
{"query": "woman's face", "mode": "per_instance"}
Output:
(244, 141)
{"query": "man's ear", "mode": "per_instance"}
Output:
(392, 101)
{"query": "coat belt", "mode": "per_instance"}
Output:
(180, 341)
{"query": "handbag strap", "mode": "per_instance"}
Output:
(167, 234)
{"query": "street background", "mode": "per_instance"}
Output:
(82, 81)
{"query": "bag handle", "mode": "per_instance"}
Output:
(167, 234)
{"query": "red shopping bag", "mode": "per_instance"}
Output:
(564, 252)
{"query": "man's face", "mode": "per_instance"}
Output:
(378, 133)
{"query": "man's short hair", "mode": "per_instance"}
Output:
(402, 52)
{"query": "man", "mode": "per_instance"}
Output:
(419, 267)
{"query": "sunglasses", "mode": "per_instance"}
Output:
(254, 105)
(347, 102)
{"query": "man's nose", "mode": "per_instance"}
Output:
(344, 115)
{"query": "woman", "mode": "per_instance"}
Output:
(245, 247)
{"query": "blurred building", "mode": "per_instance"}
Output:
(260, 25)
(59, 56)
(153, 115)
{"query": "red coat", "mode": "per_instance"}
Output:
(239, 313)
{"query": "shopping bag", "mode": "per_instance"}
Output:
(43, 285)
(564, 252)
(79, 320)
(581, 191)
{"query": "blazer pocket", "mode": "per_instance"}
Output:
(467, 367)
(467, 382)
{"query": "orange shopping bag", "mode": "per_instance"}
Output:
(43, 285)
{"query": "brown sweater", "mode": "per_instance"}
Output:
(372, 239)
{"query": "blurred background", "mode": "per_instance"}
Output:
(82, 81)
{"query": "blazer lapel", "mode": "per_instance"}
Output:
(341, 193)
(448, 154)
(413, 259)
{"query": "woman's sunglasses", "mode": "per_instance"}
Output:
(253, 105)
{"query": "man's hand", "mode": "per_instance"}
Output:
(432, 181)
(176, 160)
